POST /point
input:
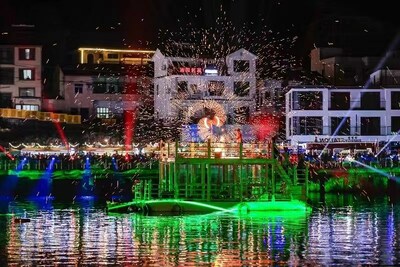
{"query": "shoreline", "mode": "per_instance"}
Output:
(108, 184)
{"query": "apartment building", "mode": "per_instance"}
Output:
(195, 90)
(20, 77)
(342, 117)
(230, 82)
(106, 83)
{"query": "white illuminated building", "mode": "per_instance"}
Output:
(342, 117)
(182, 85)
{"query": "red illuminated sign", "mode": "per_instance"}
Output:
(192, 71)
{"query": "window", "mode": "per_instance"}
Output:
(27, 107)
(242, 115)
(78, 88)
(340, 101)
(307, 125)
(157, 92)
(395, 96)
(103, 113)
(370, 100)
(112, 56)
(6, 75)
(27, 54)
(370, 126)
(27, 92)
(395, 124)
(26, 74)
(182, 86)
(241, 88)
(110, 85)
(340, 126)
(307, 100)
(216, 88)
(99, 88)
(241, 66)
(6, 55)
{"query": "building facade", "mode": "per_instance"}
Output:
(114, 56)
(341, 68)
(102, 89)
(342, 115)
(185, 88)
(20, 77)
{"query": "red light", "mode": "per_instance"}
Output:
(265, 126)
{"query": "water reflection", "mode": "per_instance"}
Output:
(346, 231)
(356, 232)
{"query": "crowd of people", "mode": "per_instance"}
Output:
(77, 161)
(340, 160)
(121, 161)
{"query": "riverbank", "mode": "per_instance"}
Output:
(70, 184)
(110, 184)
(366, 180)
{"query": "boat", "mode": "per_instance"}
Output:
(218, 177)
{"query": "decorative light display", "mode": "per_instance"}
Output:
(265, 126)
(207, 124)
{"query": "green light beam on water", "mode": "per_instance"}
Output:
(122, 205)
(236, 208)
(175, 201)
(195, 203)
(392, 177)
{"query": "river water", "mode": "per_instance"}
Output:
(340, 230)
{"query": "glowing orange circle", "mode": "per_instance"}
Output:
(210, 122)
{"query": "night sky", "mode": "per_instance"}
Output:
(138, 24)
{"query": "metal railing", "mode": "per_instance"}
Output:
(355, 105)
(215, 150)
(345, 131)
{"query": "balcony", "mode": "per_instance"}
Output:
(352, 105)
(344, 131)
(215, 150)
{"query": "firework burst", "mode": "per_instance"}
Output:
(275, 59)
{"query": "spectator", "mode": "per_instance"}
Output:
(238, 136)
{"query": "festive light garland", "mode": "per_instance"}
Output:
(51, 146)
